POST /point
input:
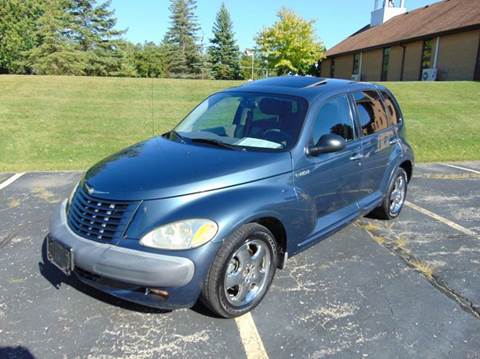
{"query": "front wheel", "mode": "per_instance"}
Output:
(241, 272)
(395, 198)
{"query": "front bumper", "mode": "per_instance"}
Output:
(107, 263)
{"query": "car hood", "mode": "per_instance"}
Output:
(161, 168)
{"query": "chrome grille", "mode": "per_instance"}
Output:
(99, 219)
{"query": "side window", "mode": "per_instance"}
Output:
(335, 116)
(392, 109)
(371, 113)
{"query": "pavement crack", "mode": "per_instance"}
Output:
(7, 239)
(424, 269)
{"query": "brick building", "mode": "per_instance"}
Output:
(437, 42)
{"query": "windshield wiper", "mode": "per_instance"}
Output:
(179, 136)
(211, 141)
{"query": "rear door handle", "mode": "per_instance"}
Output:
(393, 141)
(356, 157)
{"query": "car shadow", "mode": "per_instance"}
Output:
(57, 278)
(15, 352)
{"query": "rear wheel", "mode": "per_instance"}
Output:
(242, 271)
(394, 200)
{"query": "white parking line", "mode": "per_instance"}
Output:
(11, 180)
(442, 219)
(251, 340)
(460, 168)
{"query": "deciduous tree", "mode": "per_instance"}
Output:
(290, 45)
(17, 33)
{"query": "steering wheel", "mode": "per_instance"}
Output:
(277, 135)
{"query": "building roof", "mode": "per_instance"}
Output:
(441, 17)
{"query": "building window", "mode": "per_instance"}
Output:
(356, 64)
(385, 62)
(332, 67)
(426, 55)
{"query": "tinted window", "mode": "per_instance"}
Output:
(427, 54)
(335, 117)
(385, 63)
(371, 113)
(356, 64)
(332, 67)
(392, 109)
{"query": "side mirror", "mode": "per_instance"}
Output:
(326, 144)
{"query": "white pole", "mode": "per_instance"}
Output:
(435, 58)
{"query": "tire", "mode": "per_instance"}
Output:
(240, 260)
(387, 210)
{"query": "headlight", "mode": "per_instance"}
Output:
(72, 194)
(185, 234)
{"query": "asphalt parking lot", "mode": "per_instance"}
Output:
(401, 289)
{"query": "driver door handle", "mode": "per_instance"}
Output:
(356, 157)
(393, 141)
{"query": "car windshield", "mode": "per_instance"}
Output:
(244, 120)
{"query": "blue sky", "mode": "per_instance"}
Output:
(147, 20)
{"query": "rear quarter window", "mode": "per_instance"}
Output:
(371, 112)
(392, 108)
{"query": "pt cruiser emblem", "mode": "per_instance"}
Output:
(91, 190)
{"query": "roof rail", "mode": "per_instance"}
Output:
(318, 83)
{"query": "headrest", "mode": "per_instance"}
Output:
(273, 106)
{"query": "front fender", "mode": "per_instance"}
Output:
(229, 208)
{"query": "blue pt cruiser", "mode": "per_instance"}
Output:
(252, 176)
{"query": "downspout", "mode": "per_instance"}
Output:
(435, 57)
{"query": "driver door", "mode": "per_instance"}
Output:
(333, 184)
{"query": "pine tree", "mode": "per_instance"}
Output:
(224, 53)
(181, 41)
(94, 31)
(56, 54)
(150, 60)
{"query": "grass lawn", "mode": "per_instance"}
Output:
(58, 123)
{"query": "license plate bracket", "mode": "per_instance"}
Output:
(60, 255)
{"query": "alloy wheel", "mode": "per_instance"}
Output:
(247, 273)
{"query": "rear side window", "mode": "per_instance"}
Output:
(392, 109)
(371, 112)
(335, 116)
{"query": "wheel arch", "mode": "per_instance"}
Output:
(279, 232)
(407, 166)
